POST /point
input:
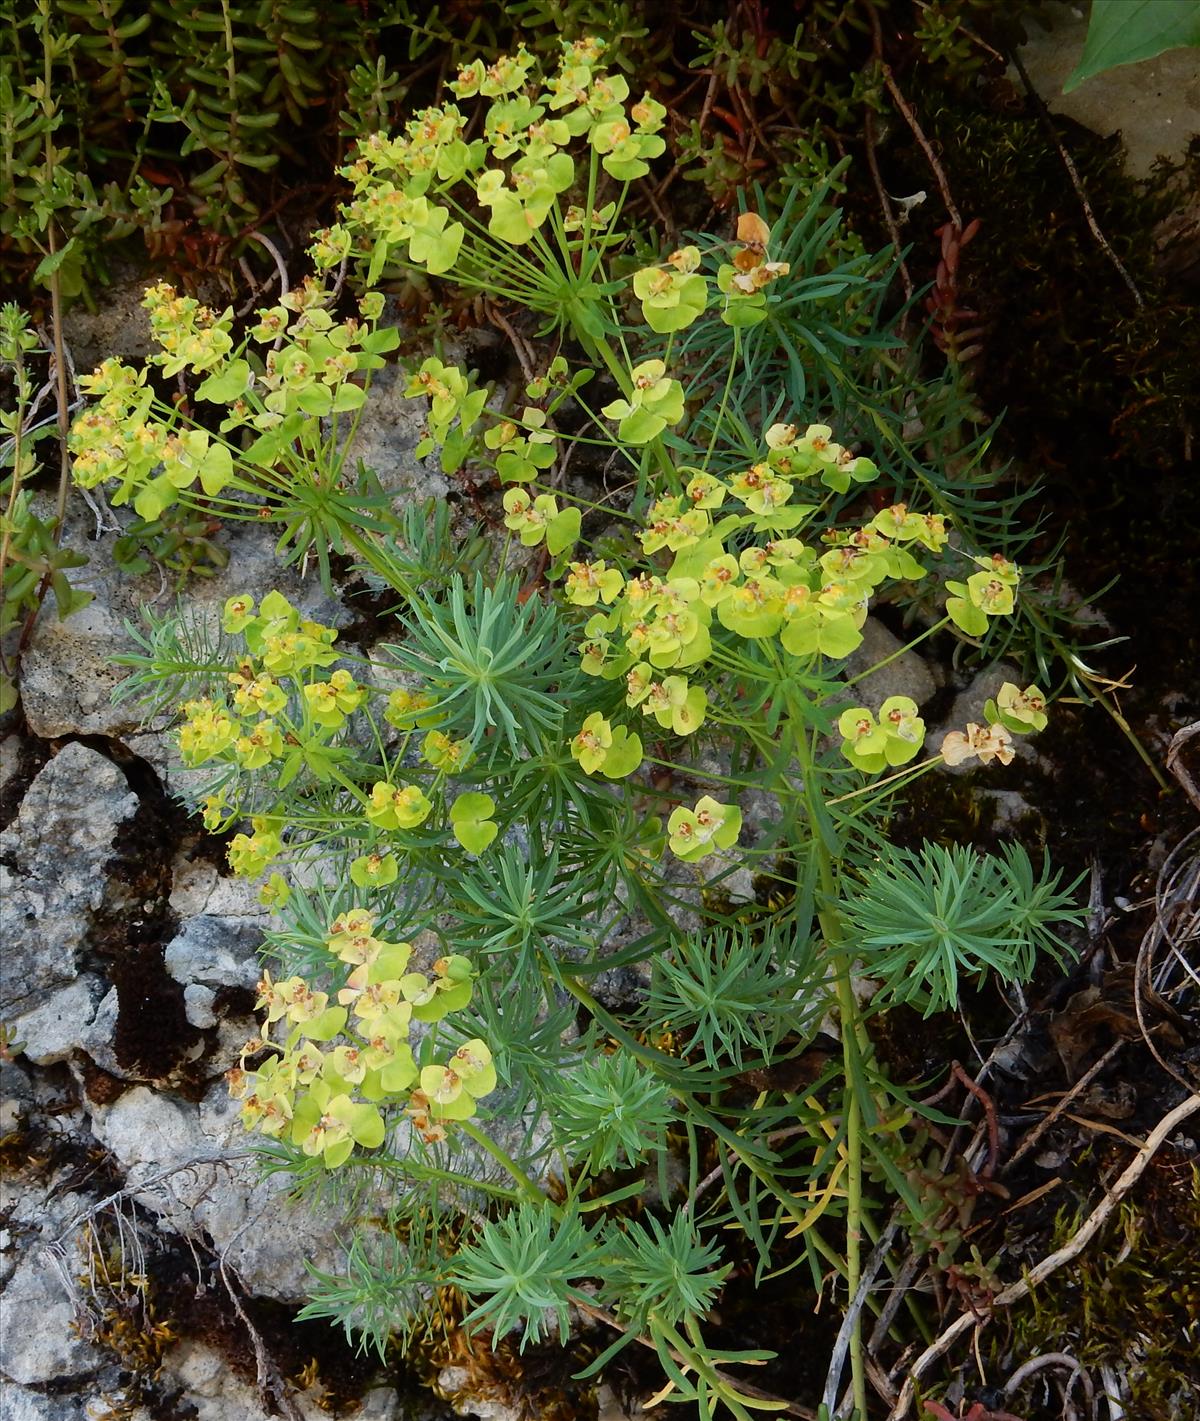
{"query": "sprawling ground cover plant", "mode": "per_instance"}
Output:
(534, 780)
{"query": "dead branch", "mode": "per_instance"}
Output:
(1174, 750)
(1069, 1251)
(1073, 173)
(1043, 1125)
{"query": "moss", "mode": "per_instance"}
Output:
(1068, 353)
(1132, 1301)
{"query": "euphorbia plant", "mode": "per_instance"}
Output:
(563, 784)
(289, 402)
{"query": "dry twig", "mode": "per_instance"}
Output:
(1043, 1125)
(1053, 1359)
(1174, 750)
(906, 112)
(1050, 1264)
(1073, 173)
(1176, 895)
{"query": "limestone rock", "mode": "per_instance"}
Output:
(388, 432)
(119, 326)
(53, 1350)
(214, 951)
(968, 709)
(1155, 103)
(51, 1031)
(219, 1395)
(907, 675)
(216, 1189)
(69, 670)
(12, 747)
(21, 1404)
(51, 874)
(97, 1037)
(197, 888)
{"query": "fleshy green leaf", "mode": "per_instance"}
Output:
(563, 530)
(1126, 31)
(471, 821)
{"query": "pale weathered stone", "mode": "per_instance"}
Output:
(18, 1403)
(51, 1031)
(193, 1167)
(53, 1350)
(389, 429)
(52, 878)
(70, 670)
(218, 952)
(1154, 104)
(906, 674)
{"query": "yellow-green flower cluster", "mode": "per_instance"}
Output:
(191, 336)
(518, 167)
(607, 749)
(116, 437)
(695, 833)
(309, 371)
(522, 451)
(277, 711)
(1012, 712)
(990, 593)
(672, 295)
(654, 402)
(326, 1098)
(778, 587)
(893, 740)
(1017, 710)
(533, 518)
(451, 400)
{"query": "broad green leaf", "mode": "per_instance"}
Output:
(226, 385)
(471, 820)
(366, 1126)
(380, 341)
(154, 498)
(641, 426)
(348, 397)
(1126, 31)
(337, 1153)
(562, 531)
(216, 470)
(624, 754)
(326, 1026)
(50, 263)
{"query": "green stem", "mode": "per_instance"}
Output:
(599, 348)
(854, 1048)
(720, 419)
(527, 1187)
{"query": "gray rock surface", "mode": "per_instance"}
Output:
(55, 1028)
(52, 874)
(219, 1395)
(69, 672)
(1155, 104)
(906, 675)
(54, 1349)
(118, 326)
(97, 1036)
(195, 1170)
(198, 888)
(11, 748)
(968, 709)
(214, 952)
(21, 1404)
(387, 436)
